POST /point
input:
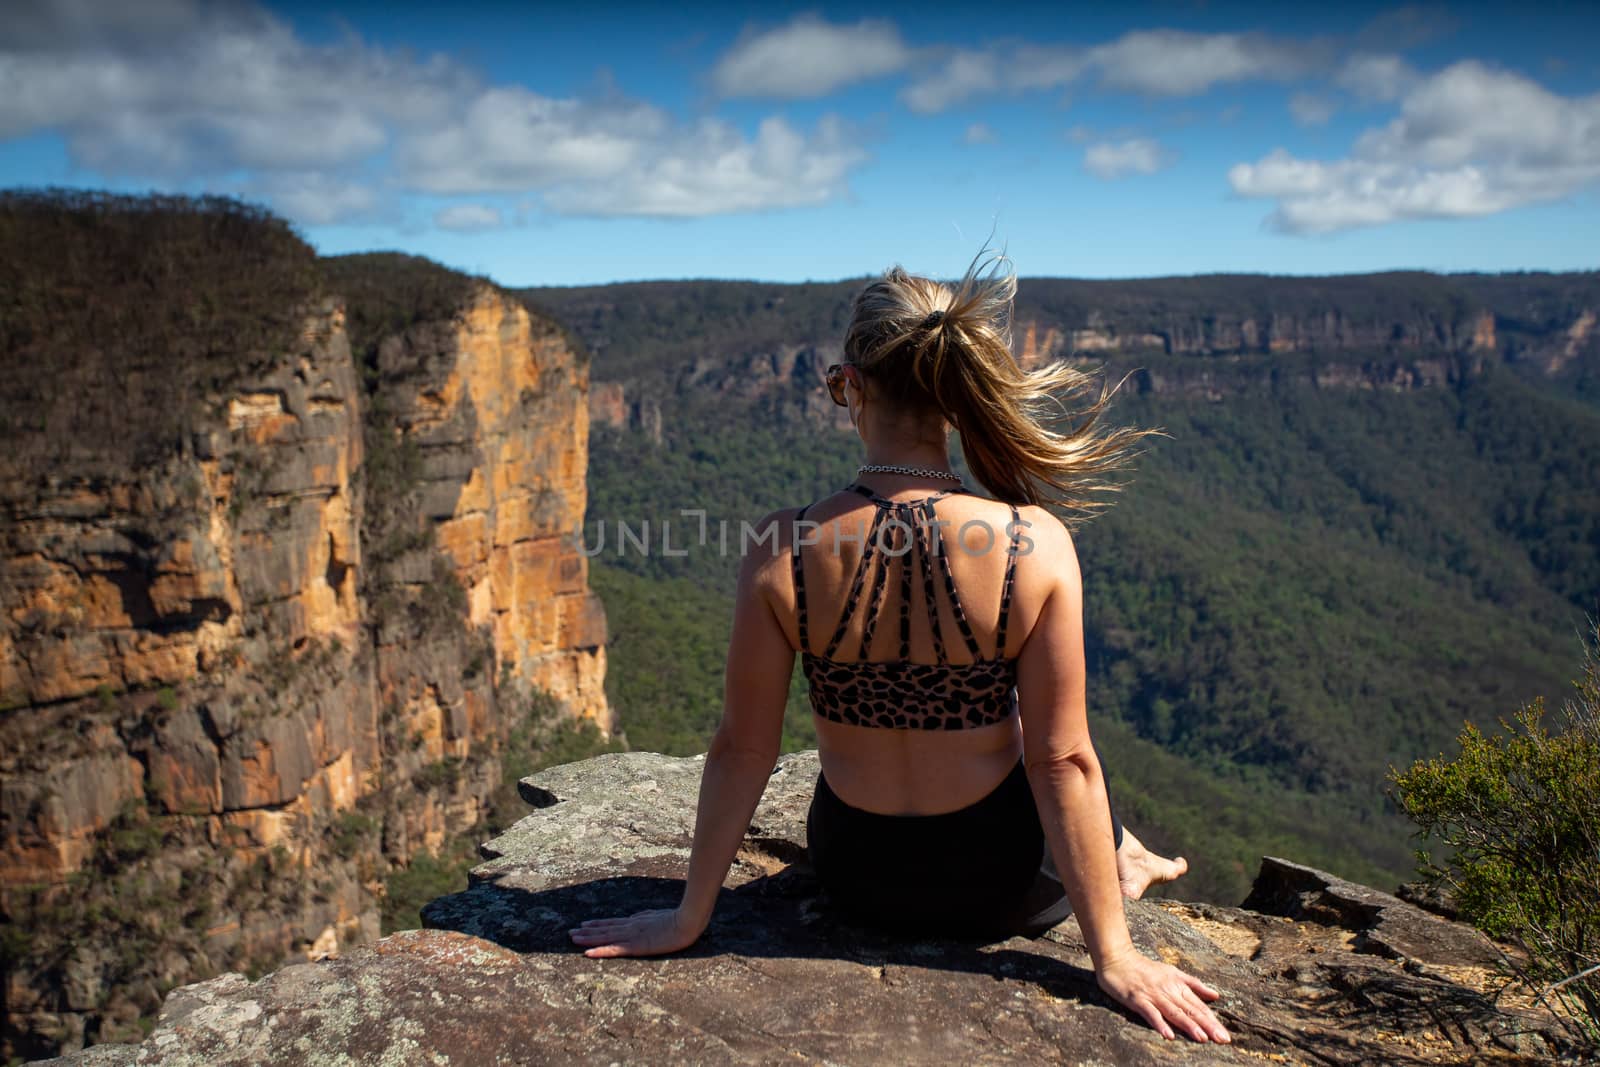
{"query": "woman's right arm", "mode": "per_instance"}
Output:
(737, 768)
(1071, 796)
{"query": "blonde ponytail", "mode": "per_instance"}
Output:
(928, 347)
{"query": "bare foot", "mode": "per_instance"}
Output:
(1138, 868)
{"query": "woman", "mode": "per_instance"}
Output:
(953, 738)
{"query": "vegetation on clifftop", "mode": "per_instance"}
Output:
(387, 293)
(166, 298)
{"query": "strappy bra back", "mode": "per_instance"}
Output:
(900, 694)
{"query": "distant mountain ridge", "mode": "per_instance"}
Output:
(1394, 330)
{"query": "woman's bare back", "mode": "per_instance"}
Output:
(914, 771)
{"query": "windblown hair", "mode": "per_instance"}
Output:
(927, 347)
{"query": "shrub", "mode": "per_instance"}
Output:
(546, 736)
(388, 293)
(351, 831)
(445, 773)
(427, 876)
(133, 835)
(1520, 810)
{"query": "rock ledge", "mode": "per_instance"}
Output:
(1313, 969)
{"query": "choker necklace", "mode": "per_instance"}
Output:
(914, 472)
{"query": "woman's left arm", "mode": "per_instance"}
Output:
(738, 765)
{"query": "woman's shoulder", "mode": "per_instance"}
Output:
(1034, 527)
(1047, 543)
(1043, 527)
(779, 526)
(785, 522)
(766, 543)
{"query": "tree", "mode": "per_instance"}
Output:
(1520, 812)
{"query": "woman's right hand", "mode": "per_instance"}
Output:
(1166, 997)
(644, 933)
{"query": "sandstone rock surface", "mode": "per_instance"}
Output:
(1314, 970)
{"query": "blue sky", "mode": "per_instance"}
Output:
(541, 144)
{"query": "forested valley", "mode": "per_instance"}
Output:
(1376, 517)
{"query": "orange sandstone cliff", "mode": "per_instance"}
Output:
(270, 607)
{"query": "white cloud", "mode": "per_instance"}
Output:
(209, 89)
(1470, 140)
(1152, 62)
(809, 57)
(1180, 63)
(1406, 27)
(966, 73)
(712, 169)
(626, 157)
(1376, 76)
(468, 218)
(227, 97)
(1044, 67)
(509, 138)
(1118, 159)
(26, 26)
(1310, 109)
(317, 199)
(961, 75)
(980, 133)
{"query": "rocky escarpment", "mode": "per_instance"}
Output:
(1212, 337)
(1398, 312)
(1312, 969)
(269, 611)
(486, 415)
(1053, 334)
(1205, 337)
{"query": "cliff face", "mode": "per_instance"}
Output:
(1205, 337)
(241, 681)
(496, 408)
(1233, 335)
(1311, 968)
(609, 406)
(170, 597)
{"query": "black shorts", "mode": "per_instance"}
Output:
(982, 871)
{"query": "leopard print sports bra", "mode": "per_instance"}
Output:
(900, 694)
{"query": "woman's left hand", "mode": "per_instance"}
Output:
(645, 933)
(1167, 998)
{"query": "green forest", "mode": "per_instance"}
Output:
(1300, 589)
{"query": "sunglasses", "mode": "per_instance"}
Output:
(835, 379)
